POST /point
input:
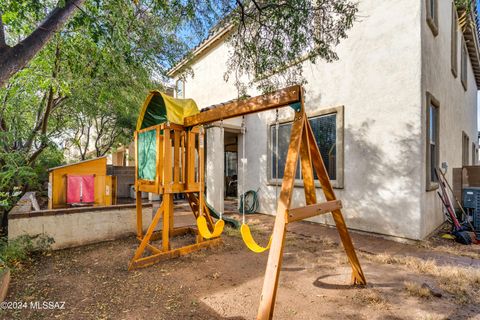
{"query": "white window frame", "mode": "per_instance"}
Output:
(338, 183)
(176, 88)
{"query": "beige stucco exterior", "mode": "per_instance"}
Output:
(385, 67)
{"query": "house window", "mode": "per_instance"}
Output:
(464, 65)
(432, 141)
(465, 148)
(432, 15)
(329, 139)
(454, 39)
(180, 89)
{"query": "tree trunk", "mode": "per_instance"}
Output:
(13, 59)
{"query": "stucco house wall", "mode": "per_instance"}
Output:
(457, 110)
(379, 82)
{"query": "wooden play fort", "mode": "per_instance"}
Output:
(169, 143)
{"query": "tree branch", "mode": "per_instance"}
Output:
(14, 59)
(3, 43)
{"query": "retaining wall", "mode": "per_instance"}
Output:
(78, 226)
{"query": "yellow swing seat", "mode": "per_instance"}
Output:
(205, 232)
(250, 242)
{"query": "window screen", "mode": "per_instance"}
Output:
(283, 140)
(325, 131)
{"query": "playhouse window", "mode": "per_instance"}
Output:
(325, 131)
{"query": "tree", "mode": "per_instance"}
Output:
(14, 58)
(103, 57)
(271, 39)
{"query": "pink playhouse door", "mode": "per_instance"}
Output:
(80, 189)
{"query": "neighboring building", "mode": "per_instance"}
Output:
(401, 100)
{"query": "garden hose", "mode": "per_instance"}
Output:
(251, 202)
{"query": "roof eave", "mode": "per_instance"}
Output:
(201, 49)
(470, 33)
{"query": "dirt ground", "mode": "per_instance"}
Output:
(225, 282)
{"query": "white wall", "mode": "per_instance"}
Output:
(75, 227)
(378, 80)
(215, 167)
(458, 108)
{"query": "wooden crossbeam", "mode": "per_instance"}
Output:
(152, 259)
(274, 100)
(180, 231)
(312, 210)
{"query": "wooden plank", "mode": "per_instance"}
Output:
(167, 160)
(138, 205)
(312, 210)
(160, 150)
(357, 273)
(147, 188)
(138, 193)
(146, 239)
(190, 159)
(176, 156)
(148, 261)
(274, 100)
(270, 282)
(155, 127)
(167, 220)
(158, 159)
(307, 169)
(183, 151)
(175, 232)
(152, 248)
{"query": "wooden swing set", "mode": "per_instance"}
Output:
(180, 169)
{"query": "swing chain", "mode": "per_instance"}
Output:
(244, 160)
(277, 125)
(221, 193)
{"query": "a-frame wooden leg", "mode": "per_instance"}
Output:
(307, 169)
(357, 276)
(270, 283)
(167, 220)
(138, 202)
(148, 235)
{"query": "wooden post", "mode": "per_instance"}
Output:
(167, 160)
(307, 169)
(138, 193)
(167, 220)
(357, 273)
(176, 156)
(270, 283)
(146, 239)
